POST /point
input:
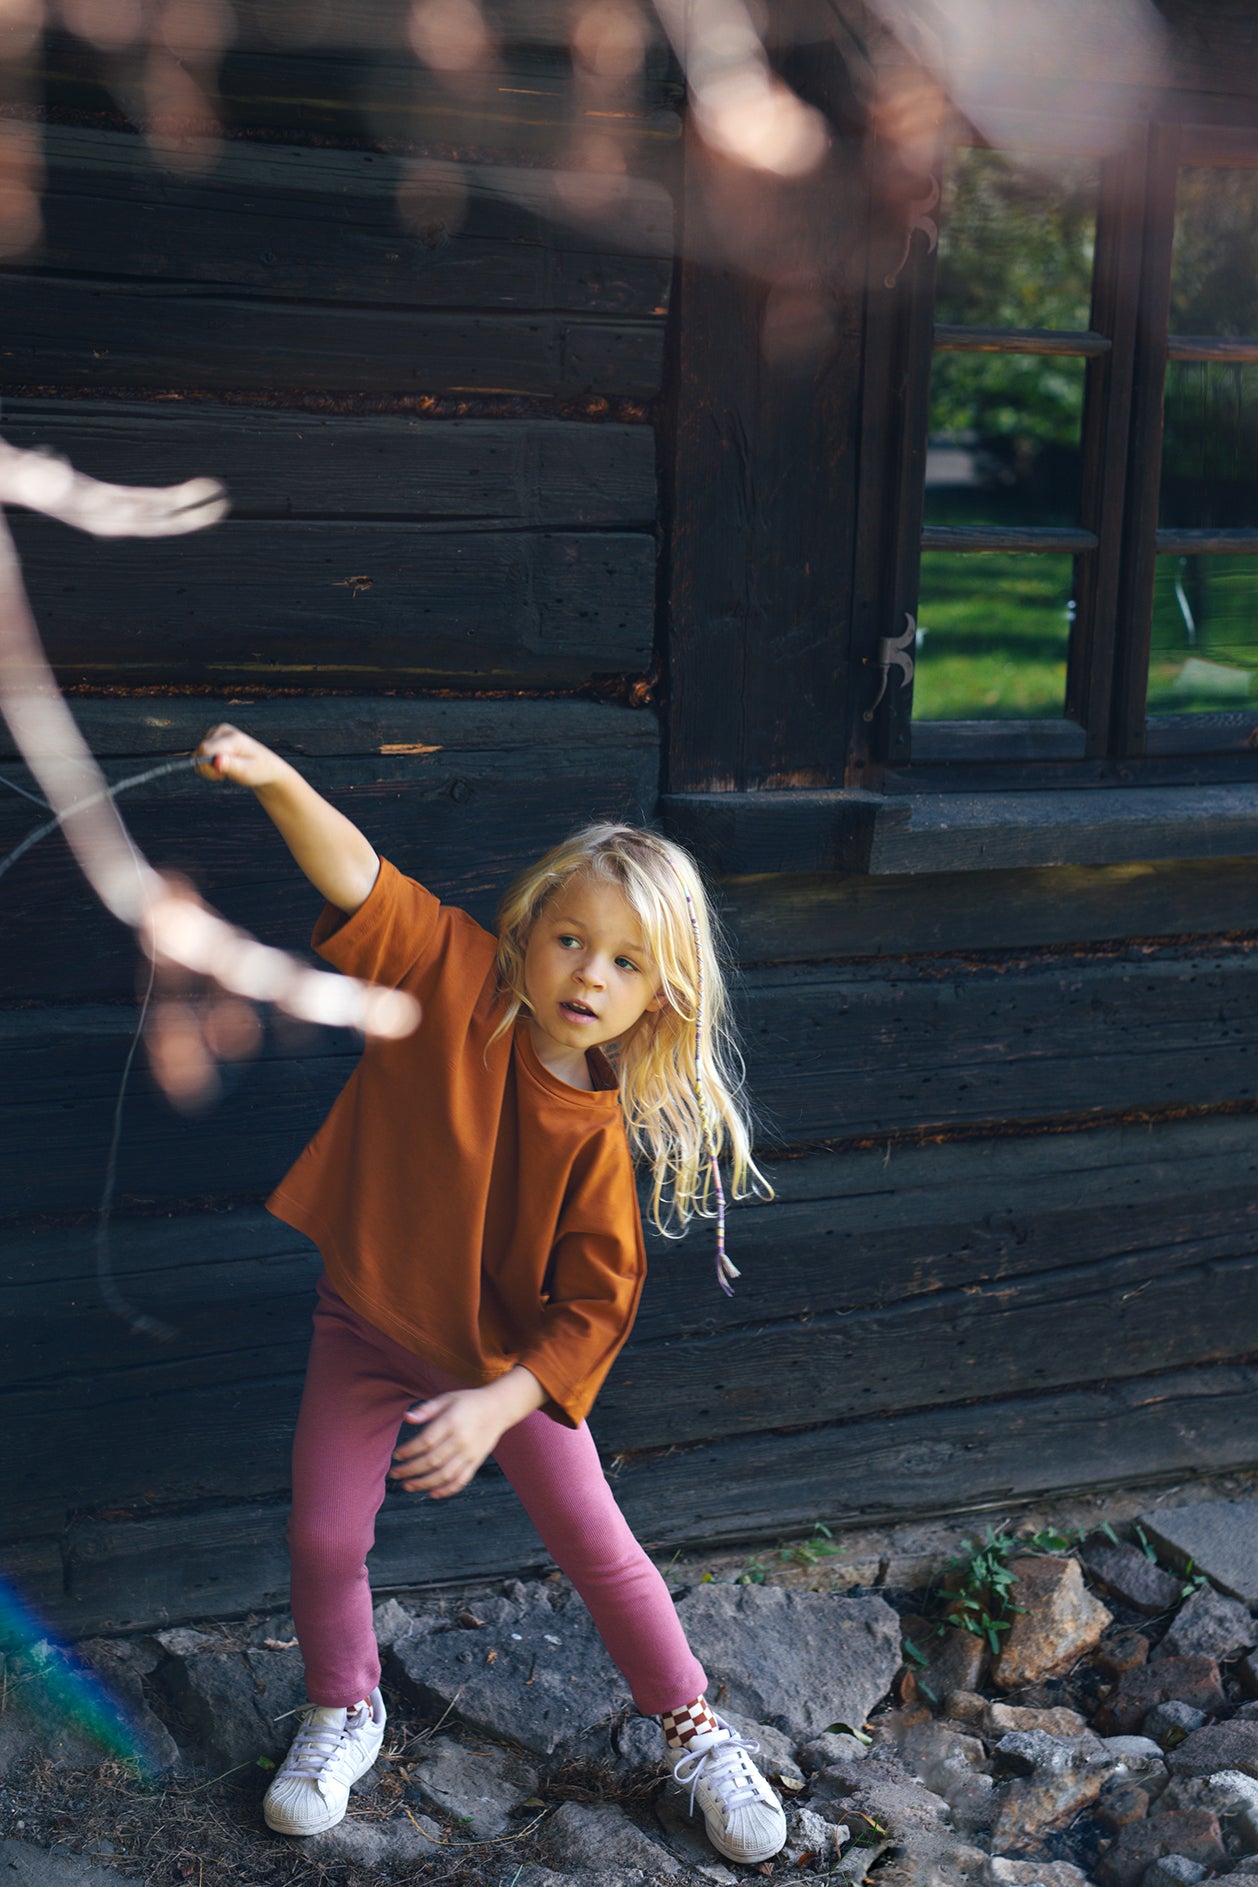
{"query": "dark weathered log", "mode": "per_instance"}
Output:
(1116, 1318)
(365, 604)
(552, 474)
(859, 831)
(833, 1054)
(1049, 539)
(780, 918)
(525, 107)
(128, 1574)
(1005, 1222)
(88, 336)
(765, 512)
(464, 793)
(301, 223)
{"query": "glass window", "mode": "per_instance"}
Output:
(1214, 273)
(1204, 654)
(1004, 446)
(993, 630)
(1016, 240)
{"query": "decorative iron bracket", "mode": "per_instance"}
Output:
(893, 651)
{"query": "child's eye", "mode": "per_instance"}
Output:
(624, 963)
(565, 941)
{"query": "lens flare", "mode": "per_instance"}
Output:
(40, 1676)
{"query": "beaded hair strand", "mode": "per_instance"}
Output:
(725, 1266)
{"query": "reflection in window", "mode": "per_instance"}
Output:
(1210, 446)
(1204, 655)
(1214, 273)
(1016, 240)
(993, 632)
(1004, 439)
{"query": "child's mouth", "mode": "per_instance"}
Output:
(578, 1012)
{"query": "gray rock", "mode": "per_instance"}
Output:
(955, 1766)
(1247, 1868)
(375, 1843)
(1030, 1808)
(1128, 1574)
(685, 1835)
(1003, 1871)
(1218, 1746)
(1218, 1537)
(1173, 1870)
(1034, 1752)
(536, 1673)
(833, 1747)
(1208, 1625)
(478, 1787)
(22, 1864)
(1227, 1794)
(812, 1841)
(878, 1798)
(941, 1861)
(582, 1839)
(639, 1743)
(238, 1704)
(1169, 1723)
(391, 1620)
(181, 1641)
(122, 1664)
(802, 1661)
(776, 1752)
(1140, 1759)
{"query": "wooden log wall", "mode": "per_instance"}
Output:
(1009, 1115)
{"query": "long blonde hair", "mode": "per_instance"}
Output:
(680, 1062)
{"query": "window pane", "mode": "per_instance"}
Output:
(993, 630)
(1214, 273)
(1210, 446)
(1204, 656)
(1016, 241)
(1004, 439)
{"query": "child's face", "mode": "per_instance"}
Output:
(587, 973)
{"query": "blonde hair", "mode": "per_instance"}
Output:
(680, 1062)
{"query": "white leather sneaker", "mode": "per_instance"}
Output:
(743, 1816)
(330, 1750)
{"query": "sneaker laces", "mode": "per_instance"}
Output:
(723, 1767)
(315, 1746)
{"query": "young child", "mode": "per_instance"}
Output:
(472, 1194)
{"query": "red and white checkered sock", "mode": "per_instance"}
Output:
(690, 1720)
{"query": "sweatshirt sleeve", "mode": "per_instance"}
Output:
(390, 934)
(596, 1274)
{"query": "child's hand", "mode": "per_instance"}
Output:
(227, 754)
(460, 1430)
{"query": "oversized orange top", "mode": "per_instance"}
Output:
(467, 1202)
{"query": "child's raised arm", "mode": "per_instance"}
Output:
(339, 862)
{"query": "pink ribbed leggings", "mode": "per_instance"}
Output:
(359, 1385)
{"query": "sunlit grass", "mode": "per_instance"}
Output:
(996, 631)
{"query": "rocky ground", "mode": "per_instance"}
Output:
(1096, 1727)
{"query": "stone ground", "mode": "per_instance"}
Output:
(1109, 1745)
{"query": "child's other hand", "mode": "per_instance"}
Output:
(459, 1430)
(227, 754)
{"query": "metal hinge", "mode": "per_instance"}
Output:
(893, 651)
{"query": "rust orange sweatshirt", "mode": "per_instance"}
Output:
(467, 1202)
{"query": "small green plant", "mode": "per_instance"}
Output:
(818, 1546)
(1146, 1545)
(977, 1583)
(754, 1573)
(1193, 1580)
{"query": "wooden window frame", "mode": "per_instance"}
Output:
(1106, 728)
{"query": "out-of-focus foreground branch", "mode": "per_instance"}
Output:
(174, 928)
